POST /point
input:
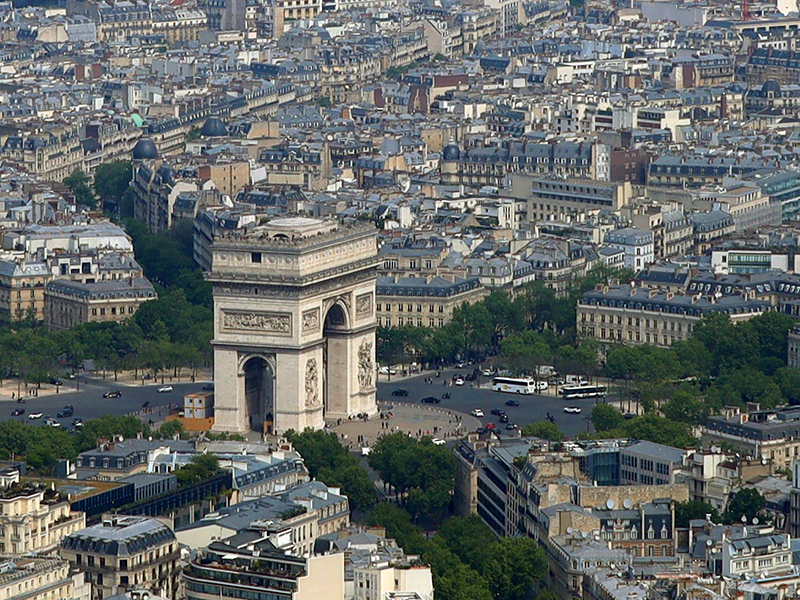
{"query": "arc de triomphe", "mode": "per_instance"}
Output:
(294, 324)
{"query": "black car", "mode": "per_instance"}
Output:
(512, 402)
(471, 377)
(77, 422)
(17, 412)
(113, 394)
(511, 427)
(67, 411)
(400, 392)
(503, 418)
(430, 400)
(497, 411)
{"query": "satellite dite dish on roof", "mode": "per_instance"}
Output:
(627, 503)
(609, 504)
(569, 530)
(709, 542)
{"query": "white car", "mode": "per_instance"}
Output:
(477, 413)
(387, 371)
(52, 423)
(572, 409)
(33, 416)
(165, 389)
(458, 381)
(541, 386)
(438, 441)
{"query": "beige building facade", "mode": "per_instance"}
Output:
(33, 519)
(294, 300)
(42, 579)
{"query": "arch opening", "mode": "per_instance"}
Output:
(259, 394)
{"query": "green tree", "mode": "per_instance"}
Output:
(747, 502)
(686, 408)
(513, 568)
(693, 509)
(111, 181)
(398, 525)
(606, 418)
(200, 468)
(462, 583)
(545, 430)
(469, 539)
(78, 184)
(109, 427)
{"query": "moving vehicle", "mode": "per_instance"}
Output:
(17, 412)
(511, 426)
(77, 422)
(399, 392)
(477, 412)
(113, 394)
(36, 415)
(430, 400)
(490, 426)
(575, 380)
(503, 418)
(164, 389)
(512, 402)
(572, 409)
(65, 412)
(497, 411)
(582, 391)
(458, 381)
(438, 442)
(514, 385)
(52, 423)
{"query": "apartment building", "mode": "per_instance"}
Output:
(757, 554)
(550, 199)
(634, 315)
(493, 165)
(636, 244)
(70, 303)
(33, 517)
(38, 578)
(761, 434)
(125, 552)
(235, 569)
(793, 353)
(49, 150)
(424, 301)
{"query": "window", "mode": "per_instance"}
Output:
(255, 257)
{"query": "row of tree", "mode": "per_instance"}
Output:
(536, 326)
(110, 186)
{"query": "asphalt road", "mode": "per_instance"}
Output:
(464, 399)
(90, 404)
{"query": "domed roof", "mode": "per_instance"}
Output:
(451, 152)
(166, 174)
(737, 89)
(214, 127)
(145, 149)
(771, 86)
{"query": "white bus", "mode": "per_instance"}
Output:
(514, 385)
(582, 391)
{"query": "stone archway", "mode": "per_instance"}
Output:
(335, 359)
(259, 394)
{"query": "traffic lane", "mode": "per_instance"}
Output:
(532, 408)
(89, 402)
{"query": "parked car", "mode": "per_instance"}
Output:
(77, 422)
(512, 402)
(165, 389)
(387, 371)
(430, 400)
(52, 423)
(400, 392)
(17, 412)
(471, 377)
(541, 386)
(572, 409)
(477, 412)
(35, 415)
(56, 381)
(113, 394)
